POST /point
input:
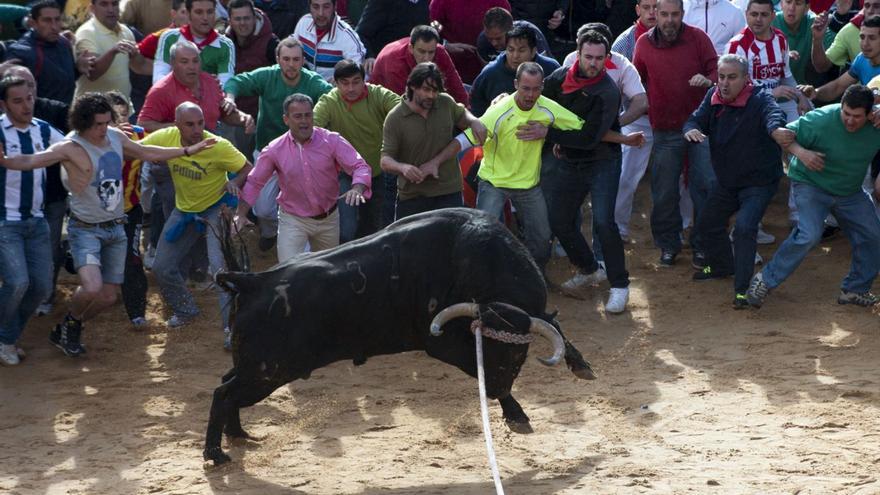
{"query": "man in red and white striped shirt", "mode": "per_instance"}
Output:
(767, 50)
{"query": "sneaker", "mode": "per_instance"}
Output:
(66, 336)
(617, 300)
(765, 237)
(583, 279)
(267, 243)
(177, 321)
(667, 258)
(227, 338)
(740, 302)
(865, 299)
(558, 250)
(9, 354)
(139, 322)
(698, 261)
(758, 290)
(708, 273)
(759, 260)
(150, 258)
(44, 309)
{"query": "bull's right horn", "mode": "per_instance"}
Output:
(471, 310)
(550, 333)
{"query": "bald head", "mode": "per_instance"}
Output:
(190, 121)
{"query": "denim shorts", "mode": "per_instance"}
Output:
(102, 246)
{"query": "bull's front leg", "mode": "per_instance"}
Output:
(220, 408)
(514, 416)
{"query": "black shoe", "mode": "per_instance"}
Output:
(699, 260)
(667, 258)
(740, 302)
(66, 336)
(267, 243)
(708, 273)
(829, 232)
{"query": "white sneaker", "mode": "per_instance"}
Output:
(765, 237)
(617, 300)
(582, 279)
(759, 260)
(44, 309)
(9, 354)
(150, 258)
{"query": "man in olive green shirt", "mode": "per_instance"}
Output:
(415, 132)
(357, 111)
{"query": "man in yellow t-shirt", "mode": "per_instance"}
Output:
(201, 186)
(511, 167)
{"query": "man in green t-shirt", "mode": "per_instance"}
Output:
(201, 187)
(274, 84)
(357, 111)
(511, 166)
(795, 22)
(832, 148)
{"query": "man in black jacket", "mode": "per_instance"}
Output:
(593, 167)
(742, 123)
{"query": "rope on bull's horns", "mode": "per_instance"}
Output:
(477, 327)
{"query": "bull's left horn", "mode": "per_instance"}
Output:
(550, 333)
(470, 310)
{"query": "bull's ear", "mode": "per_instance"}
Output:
(236, 282)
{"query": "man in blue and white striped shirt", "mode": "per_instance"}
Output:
(25, 249)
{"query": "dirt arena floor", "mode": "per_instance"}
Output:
(692, 397)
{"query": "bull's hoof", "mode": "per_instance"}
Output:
(237, 433)
(584, 373)
(523, 427)
(216, 455)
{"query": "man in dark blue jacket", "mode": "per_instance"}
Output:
(742, 123)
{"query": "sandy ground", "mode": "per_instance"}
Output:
(693, 397)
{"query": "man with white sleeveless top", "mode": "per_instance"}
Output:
(92, 159)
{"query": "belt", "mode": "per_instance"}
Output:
(325, 214)
(103, 225)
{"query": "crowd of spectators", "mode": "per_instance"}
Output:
(322, 121)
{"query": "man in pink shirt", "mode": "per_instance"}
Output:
(308, 160)
(398, 58)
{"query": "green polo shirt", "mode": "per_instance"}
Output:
(801, 41)
(847, 154)
(268, 83)
(410, 138)
(360, 123)
(845, 46)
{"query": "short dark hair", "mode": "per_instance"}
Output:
(175, 4)
(858, 96)
(423, 33)
(347, 68)
(297, 98)
(523, 33)
(599, 27)
(10, 82)
(760, 2)
(498, 17)
(679, 2)
(37, 7)
(237, 4)
(84, 109)
(422, 73)
(873, 22)
(593, 38)
(189, 3)
(117, 99)
(532, 68)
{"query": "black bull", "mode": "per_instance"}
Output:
(378, 295)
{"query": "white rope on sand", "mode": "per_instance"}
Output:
(484, 410)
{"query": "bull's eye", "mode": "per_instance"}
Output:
(432, 305)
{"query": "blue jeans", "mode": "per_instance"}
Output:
(566, 186)
(360, 221)
(856, 217)
(26, 271)
(749, 204)
(101, 246)
(169, 255)
(530, 204)
(667, 161)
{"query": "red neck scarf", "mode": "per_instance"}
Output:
(362, 96)
(739, 101)
(186, 32)
(640, 29)
(574, 81)
(857, 20)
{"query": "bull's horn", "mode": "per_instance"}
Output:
(470, 310)
(550, 333)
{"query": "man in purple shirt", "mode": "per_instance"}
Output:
(308, 161)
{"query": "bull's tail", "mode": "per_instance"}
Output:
(234, 249)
